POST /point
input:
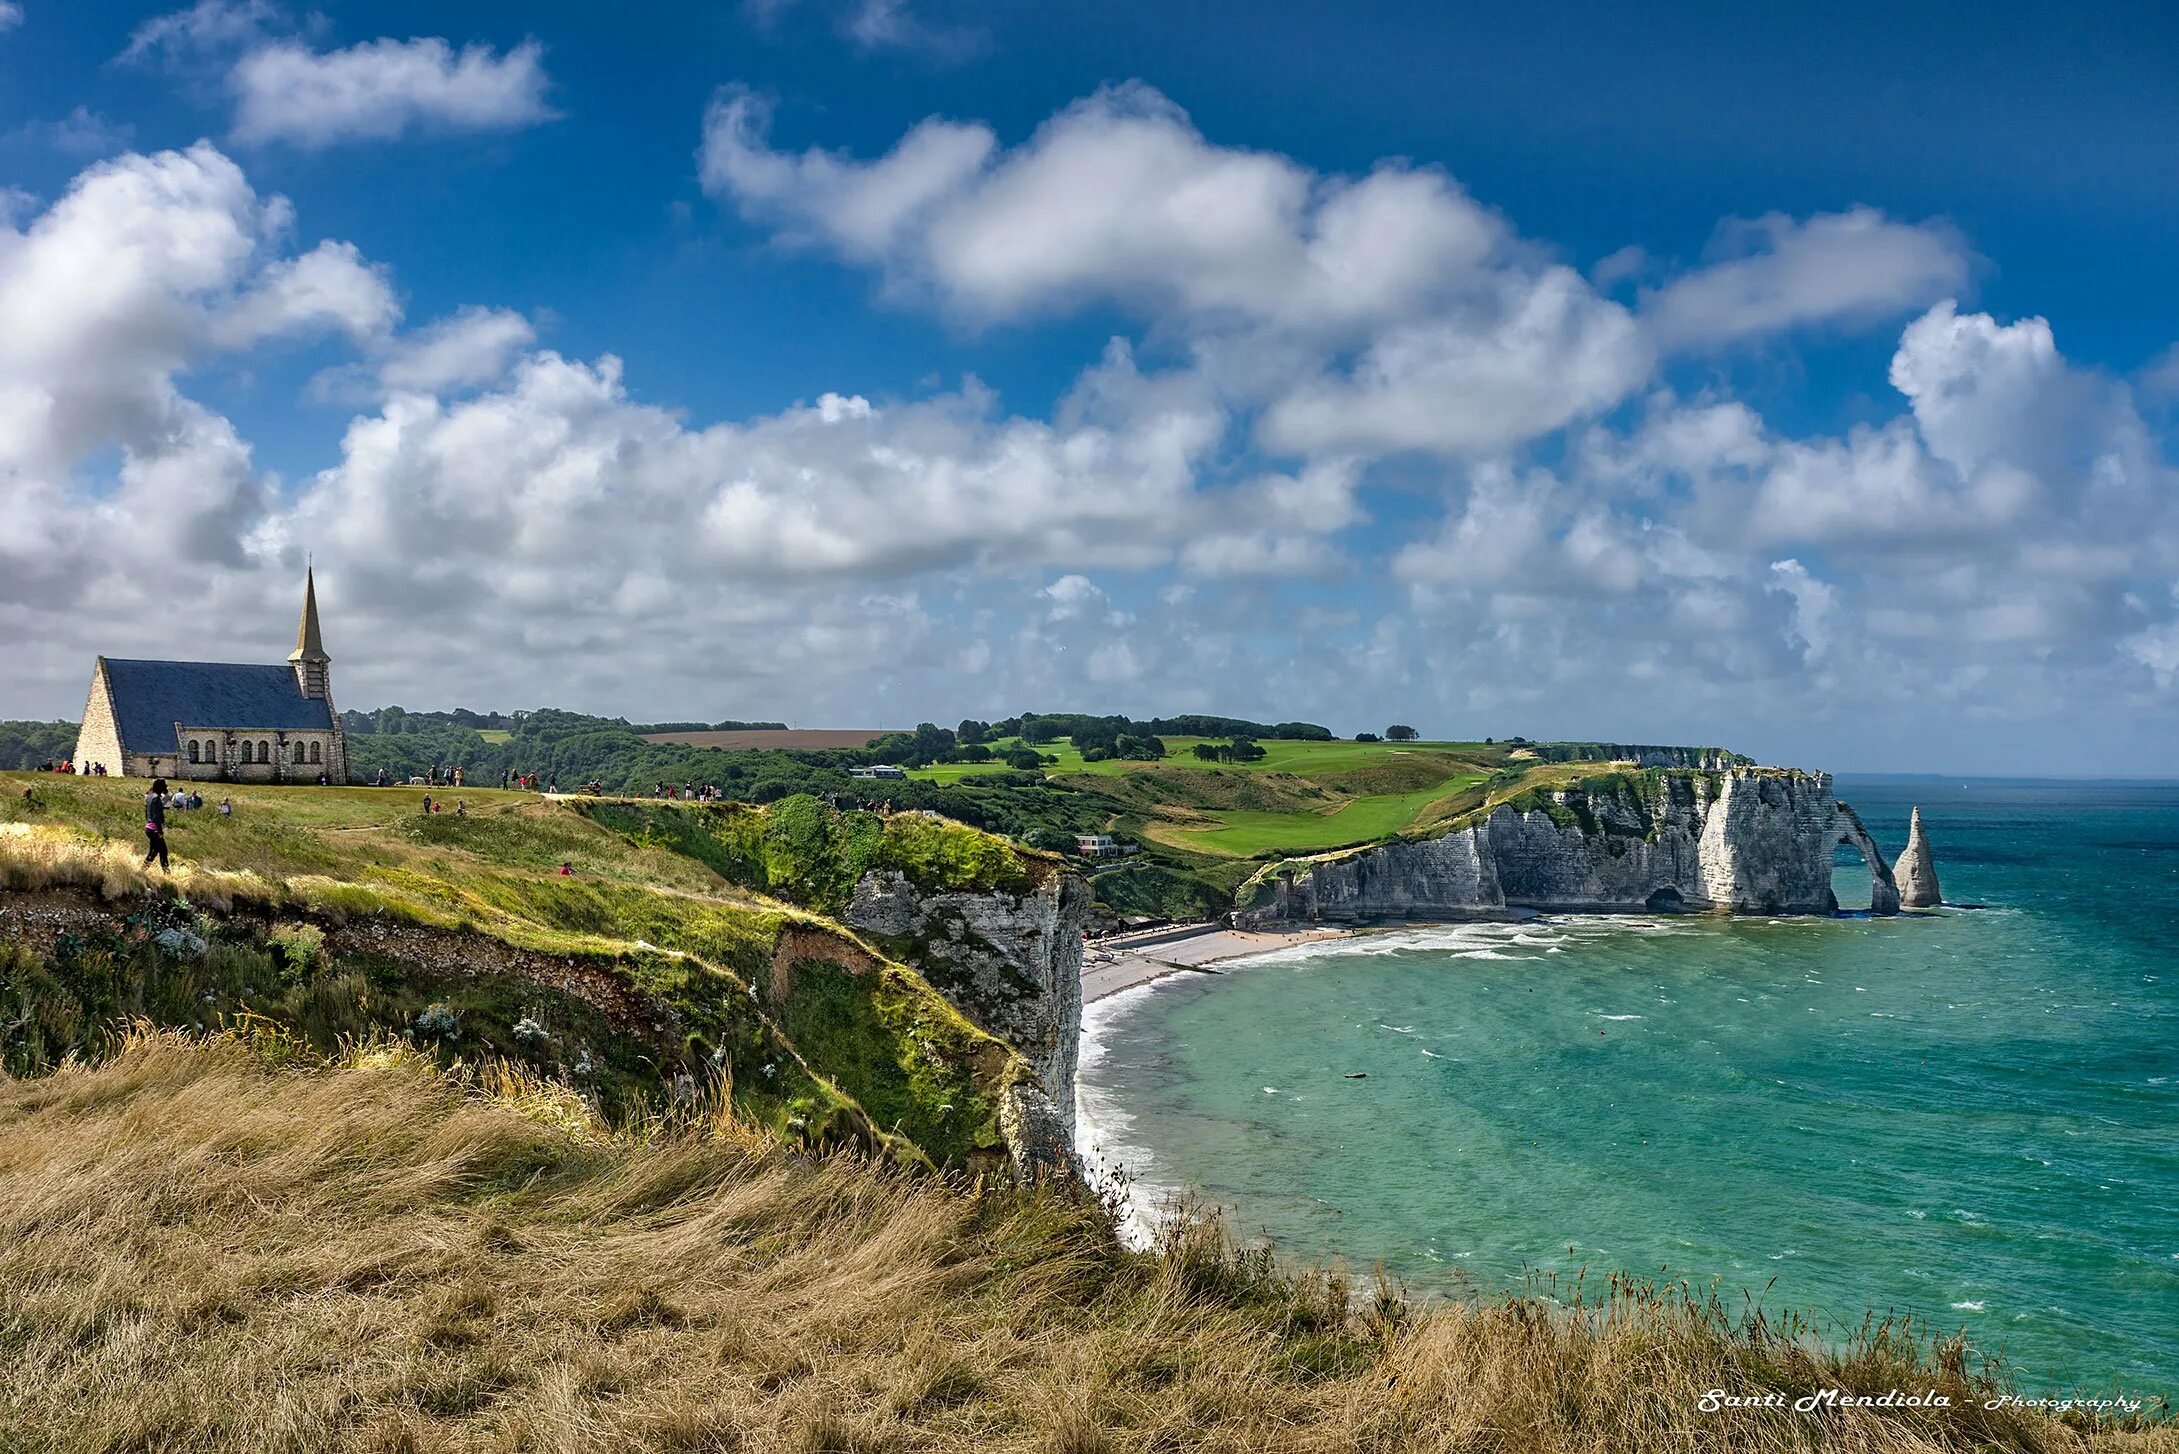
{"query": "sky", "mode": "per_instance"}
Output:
(1802, 383)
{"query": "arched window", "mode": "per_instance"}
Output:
(264, 752)
(314, 753)
(192, 751)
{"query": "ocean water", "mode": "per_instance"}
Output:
(1971, 1116)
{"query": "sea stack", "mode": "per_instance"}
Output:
(1917, 871)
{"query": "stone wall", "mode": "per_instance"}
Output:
(99, 740)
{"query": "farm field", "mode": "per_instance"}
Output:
(495, 735)
(808, 739)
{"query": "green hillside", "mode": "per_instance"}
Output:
(683, 941)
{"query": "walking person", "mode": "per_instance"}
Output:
(155, 823)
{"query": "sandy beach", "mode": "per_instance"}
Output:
(1126, 961)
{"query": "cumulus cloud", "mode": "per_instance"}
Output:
(11, 15)
(472, 347)
(382, 89)
(1777, 272)
(329, 287)
(1470, 339)
(1545, 352)
(1116, 197)
(127, 281)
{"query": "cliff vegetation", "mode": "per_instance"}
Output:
(684, 947)
(232, 1242)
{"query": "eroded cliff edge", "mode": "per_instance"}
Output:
(1011, 963)
(1740, 839)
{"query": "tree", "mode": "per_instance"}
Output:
(1207, 751)
(972, 733)
(1399, 733)
(1367, 737)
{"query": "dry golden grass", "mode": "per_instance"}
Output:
(34, 858)
(223, 1246)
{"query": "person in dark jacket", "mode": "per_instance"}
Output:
(155, 823)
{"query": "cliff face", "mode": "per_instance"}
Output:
(1754, 841)
(1917, 870)
(1705, 759)
(1013, 965)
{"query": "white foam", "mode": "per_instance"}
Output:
(1116, 1164)
(1616, 1017)
(1967, 1307)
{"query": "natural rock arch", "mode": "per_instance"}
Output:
(1883, 889)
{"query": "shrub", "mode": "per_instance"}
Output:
(301, 946)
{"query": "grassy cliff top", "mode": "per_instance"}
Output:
(224, 1244)
(701, 935)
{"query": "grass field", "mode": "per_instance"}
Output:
(684, 907)
(495, 735)
(1246, 833)
(1342, 793)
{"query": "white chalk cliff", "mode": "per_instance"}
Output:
(1745, 840)
(1917, 870)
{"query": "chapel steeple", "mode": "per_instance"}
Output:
(313, 668)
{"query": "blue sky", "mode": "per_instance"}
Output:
(1803, 383)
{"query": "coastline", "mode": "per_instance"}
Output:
(1112, 974)
(1109, 969)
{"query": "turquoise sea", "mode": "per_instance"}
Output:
(1972, 1115)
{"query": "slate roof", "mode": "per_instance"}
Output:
(149, 697)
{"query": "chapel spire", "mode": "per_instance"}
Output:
(313, 669)
(309, 645)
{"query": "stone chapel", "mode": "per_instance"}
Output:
(219, 721)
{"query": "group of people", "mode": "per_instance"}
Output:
(461, 808)
(69, 765)
(690, 792)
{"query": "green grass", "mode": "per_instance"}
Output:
(1243, 833)
(659, 897)
(495, 734)
(1336, 793)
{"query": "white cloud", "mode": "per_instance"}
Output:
(82, 132)
(472, 347)
(209, 28)
(148, 267)
(383, 89)
(329, 287)
(862, 209)
(894, 25)
(1776, 272)
(1116, 197)
(1470, 340)
(1546, 353)
(11, 15)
